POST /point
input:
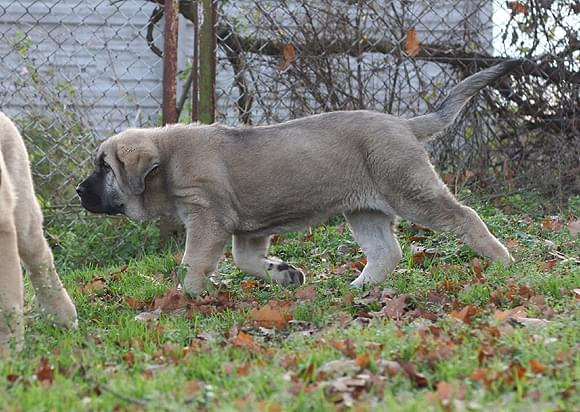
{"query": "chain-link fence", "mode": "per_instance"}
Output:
(74, 72)
(287, 59)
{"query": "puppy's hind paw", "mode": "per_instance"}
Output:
(361, 281)
(358, 283)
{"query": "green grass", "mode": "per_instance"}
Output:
(188, 361)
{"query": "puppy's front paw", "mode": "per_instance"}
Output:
(194, 285)
(286, 274)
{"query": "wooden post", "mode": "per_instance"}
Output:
(207, 62)
(167, 226)
(194, 65)
(170, 62)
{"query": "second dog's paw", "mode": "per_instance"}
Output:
(58, 307)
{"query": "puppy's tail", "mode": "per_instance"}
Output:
(428, 125)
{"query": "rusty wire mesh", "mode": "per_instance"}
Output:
(75, 72)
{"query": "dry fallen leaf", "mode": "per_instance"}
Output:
(549, 264)
(537, 367)
(244, 369)
(129, 357)
(421, 255)
(138, 304)
(447, 392)
(363, 360)
(512, 244)
(307, 373)
(348, 298)
(305, 293)
(243, 340)
(465, 314)
(272, 314)
(477, 266)
(538, 300)
(485, 353)
(571, 390)
(172, 300)
(508, 171)
(480, 374)
(346, 346)
(412, 45)
(517, 7)
(513, 313)
(191, 389)
(552, 223)
(418, 378)
(13, 377)
(394, 308)
(117, 275)
(96, 286)
(268, 406)
(359, 264)
(288, 57)
(574, 227)
(249, 285)
(44, 372)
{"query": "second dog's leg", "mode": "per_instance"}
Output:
(36, 255)
(11, 292)
(250, 255)
(373, 231)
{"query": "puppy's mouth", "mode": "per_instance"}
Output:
(116, 210)
(99, 208)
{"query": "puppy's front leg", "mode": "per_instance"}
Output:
(204, 246)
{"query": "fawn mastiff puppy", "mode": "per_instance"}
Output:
(256, 181)
(21, 237)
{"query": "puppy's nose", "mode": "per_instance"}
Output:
(80, 190)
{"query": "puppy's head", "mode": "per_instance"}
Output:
(125, 165)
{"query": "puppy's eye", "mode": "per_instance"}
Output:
(106, 166)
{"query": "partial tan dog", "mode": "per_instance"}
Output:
(254, 182)
(21, 237)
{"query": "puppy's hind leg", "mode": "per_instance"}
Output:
(373, 230)
(250, 255)
(436, 208)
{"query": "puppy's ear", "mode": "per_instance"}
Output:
(138, 161)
